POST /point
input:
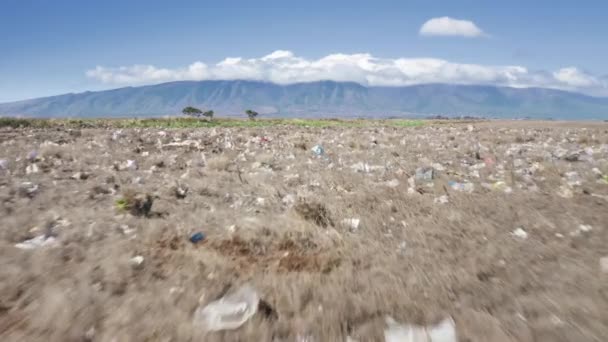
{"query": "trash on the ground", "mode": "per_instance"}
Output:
(444, 331)
(32, 155)
(136, 261)
(180, 190)
(393, 183)
(351, 223)
(318, 150)
(502, 186)
(3, 164)
(229, 312)
(604, 264)
(464, 187)
(197, 237)
(438, 167)
(425, 174)
(572, 178)
(32, 168)
(520, 233)
(80, 176)
(131, 165)
(288, 200)
(28, 189)
(583, 228)
(443, 199)
(37, 242)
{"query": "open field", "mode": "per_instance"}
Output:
(501, 226)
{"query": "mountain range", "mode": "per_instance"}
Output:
(316, 99)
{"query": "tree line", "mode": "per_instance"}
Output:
(197, 113)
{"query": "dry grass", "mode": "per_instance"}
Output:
(273, 212)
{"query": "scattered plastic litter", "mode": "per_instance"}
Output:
(443, 199)
(583, 228)
(520, 233)
(352, 223)
(137, 261)
(464, 187)
(444, 331)
(37, 242)
(28, 189)
(3, 164)
(197, 237)
(393, 183)
(32, 168)
(318, 150)
(229, 312)
(32, 155)
(426, 174)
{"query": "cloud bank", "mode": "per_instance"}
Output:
(283, 67)
(446, 26)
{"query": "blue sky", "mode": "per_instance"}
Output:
(57, 46)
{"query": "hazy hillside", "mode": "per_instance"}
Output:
(326, 98)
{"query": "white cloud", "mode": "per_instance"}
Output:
(284, 67)
(446, 26)
(575, 78)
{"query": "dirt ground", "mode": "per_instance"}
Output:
(518, 258)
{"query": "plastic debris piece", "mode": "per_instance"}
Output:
(32, 155)
(197, 237)
(426, 174)
(229, 312)
(502, 186)
(352, 223)
(28, 189)
(443, 199)
(444, 331)
(136, 261)
(318, 150)
(393, 183)
(520, 233)
(464, 187)
(32, 168)
(37, 242)
(3, 164)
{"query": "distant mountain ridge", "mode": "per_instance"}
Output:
(316, 99)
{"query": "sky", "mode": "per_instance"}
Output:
(58, 46)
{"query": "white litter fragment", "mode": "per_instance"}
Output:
(37, 242)
(520, 233)
(229, 312)
(393, 183)
(445, 331)
(351, 223)
(585, 228)
(136, 261)
(32, 168)
(441, 199)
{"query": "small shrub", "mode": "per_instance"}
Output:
(251, 114)
(136, 204)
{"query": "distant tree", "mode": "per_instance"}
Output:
(192, 111)
(208, 114)
(251, 114)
